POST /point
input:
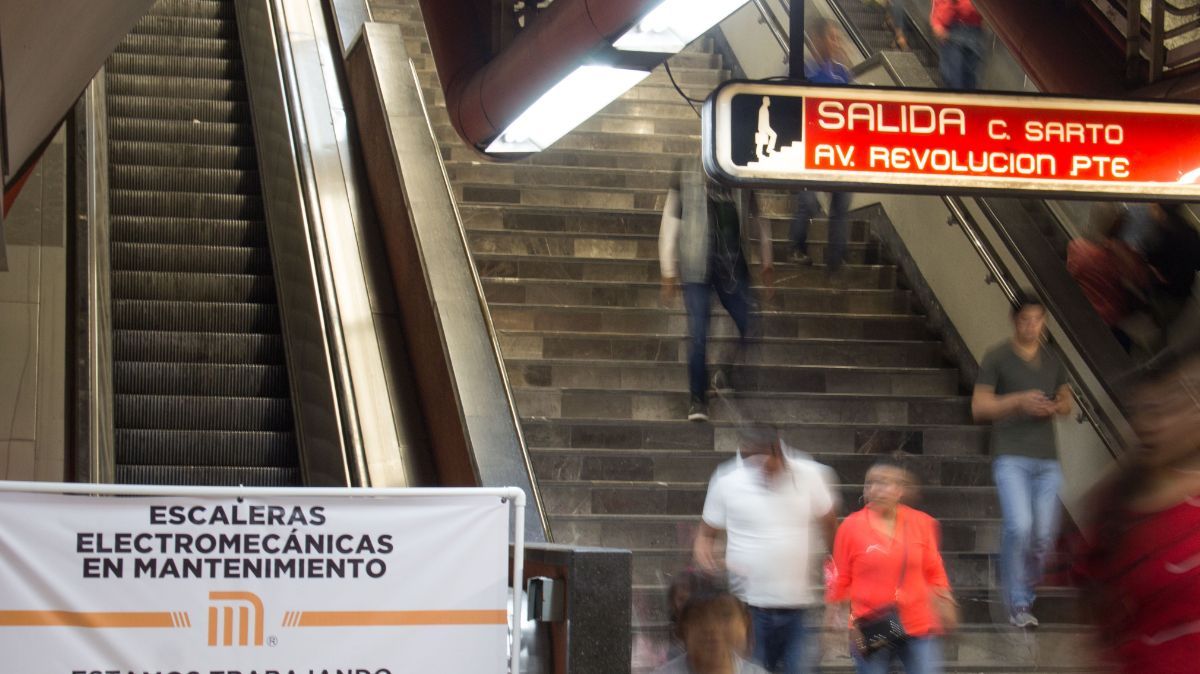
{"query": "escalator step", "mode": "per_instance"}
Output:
(175, 66)
(186, 132)
(159, 178)
(186, 205)
(201, 413)
(175, 87)
(195, 316)
(178, 26)
(189, 231)
(148, 285)
(194, 259)
(208, 476)
(200, 9)
(205, 448)
(167, 45)
(181, 109)
(197, 379)
(197, 347)
(137, 153)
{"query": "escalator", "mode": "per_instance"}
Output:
(200, 383)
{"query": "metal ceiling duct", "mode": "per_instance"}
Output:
(486, 93)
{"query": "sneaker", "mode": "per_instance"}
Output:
(721, 382)
(800, 258)
(698, 411)
(1023, 619)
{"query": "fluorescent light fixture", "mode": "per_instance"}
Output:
(675, 23)
(568, 104)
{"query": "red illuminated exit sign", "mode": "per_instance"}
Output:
(880, 139)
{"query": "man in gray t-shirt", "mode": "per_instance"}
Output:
(1021, 388)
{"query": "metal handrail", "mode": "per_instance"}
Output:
(775, 26)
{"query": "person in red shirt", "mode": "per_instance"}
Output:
(959, 28)
(886, 555)
(1144, 564)
(1113, 277)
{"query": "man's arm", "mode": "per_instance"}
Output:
(987, 406)
(668, 245)
(704, 548)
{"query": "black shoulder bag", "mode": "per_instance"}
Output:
(881, 628)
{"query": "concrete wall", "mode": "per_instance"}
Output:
(33, 309)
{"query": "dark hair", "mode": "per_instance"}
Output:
(1025, 301)
(758, 435)
(707, 600)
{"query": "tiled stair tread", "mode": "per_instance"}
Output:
(537, 209)
(783, 426)
(681, 335)
(779, 264)
(670, 311)
(633, 485)
(632, 236)
(777, 395)
(604, 363)
(647, 284)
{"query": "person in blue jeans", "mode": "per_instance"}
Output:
(824, 69)
(958, 28)
(1021, 389)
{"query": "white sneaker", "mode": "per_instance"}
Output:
(1023, 619)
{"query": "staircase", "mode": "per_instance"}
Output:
(200, 384)
(566, 244)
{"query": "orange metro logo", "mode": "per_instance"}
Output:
(235, 619)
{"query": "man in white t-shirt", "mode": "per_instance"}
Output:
(776, 508)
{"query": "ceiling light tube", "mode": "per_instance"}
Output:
(673, 24)
(565, 106)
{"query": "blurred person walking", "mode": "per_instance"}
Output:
(700, 245)
(888, 566)
(1173, 252)
(1144, 565)
(1021, 388)
(1113, 277)
(958, 27)
(714, 628)
(824, 69)
(775, 510)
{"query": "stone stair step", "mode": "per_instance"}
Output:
(638, 247)
(587, 294)
(787, 275)
(669, 347)
(768, 407)
(722, 436)
(979, 605)
(683, 465)
(687, 498)
(606, 222)
(637, 198)
(791, 378)
(675, 531)
(638, 320)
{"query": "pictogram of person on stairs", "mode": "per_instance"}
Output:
(765, 138)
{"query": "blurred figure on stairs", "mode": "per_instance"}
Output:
(715, 630)
(701, 246)
(1113, 277)
(775, 509)
(1021, 388)
(1144, 565)
(887, 565)
(958, 26)
(824, 69)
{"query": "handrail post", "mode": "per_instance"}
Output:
(1133, 40)
(796, 38)
(1158, 45)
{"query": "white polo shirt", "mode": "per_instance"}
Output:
(771, 530)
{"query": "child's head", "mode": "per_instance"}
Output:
(714, 626)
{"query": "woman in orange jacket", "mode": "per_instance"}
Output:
(887, 565)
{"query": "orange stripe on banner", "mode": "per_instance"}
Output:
(399, 618)
(92, 619)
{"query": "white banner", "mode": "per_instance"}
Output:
(269, 585)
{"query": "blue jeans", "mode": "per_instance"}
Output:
(782, 640)
(806, 208)
(1029, 504)
(961, 55)
(734, 294)
(920, 655)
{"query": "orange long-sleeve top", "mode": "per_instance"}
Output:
(866, 568)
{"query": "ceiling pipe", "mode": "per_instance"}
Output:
(486, 93)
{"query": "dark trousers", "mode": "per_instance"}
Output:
(782, 640)
(734, 294)
(806, 208)
(961, 55)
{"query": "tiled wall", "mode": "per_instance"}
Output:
(33, 306)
